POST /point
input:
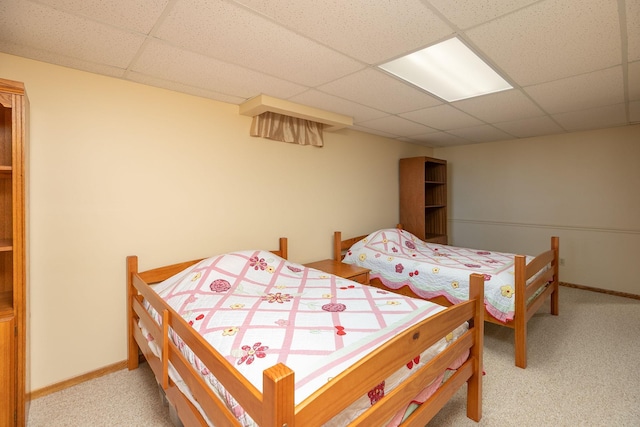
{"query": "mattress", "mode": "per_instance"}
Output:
(398, 258)
(258, 309)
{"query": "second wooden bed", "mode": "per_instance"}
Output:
(274, 406)
(534, 281)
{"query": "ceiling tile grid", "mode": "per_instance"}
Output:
(41, 27)
(633, 29)
(370, 31)
(574, 64)
(604, 87)
(533, 126)
(139, 16)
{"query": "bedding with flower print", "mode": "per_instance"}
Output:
(399, 258)
(258, 309)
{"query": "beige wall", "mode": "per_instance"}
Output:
(583, 187)
(119, 168)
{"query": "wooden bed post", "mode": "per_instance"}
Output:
(474, 384)
(284, 248)
(278, 391)
(337, 247)
(520, 330)
(555, 298)
(132, 346)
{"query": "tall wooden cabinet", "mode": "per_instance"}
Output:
(423, 198)
(14, 107)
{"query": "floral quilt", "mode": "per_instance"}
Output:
(258, 309)
(399, 258)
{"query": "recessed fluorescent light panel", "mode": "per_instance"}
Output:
(449, 70)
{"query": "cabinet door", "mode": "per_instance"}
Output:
(7, 372)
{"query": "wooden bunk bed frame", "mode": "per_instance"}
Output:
(274, 406)
(523, 292)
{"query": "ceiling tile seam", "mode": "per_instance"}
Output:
(352, 101)
(179, 83)
(624, 53)
(435, 10)
(68, 58)
(151, 35)
(84, 17)
(148, 39)
(454, 31)
(625, 87)
(294, 31)
(240, 65)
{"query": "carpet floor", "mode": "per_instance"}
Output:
(583, 370)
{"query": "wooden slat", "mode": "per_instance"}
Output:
(537, 303)
(209, 402)
(425, 412)
(541, 281)
(238, 386)
(164, 381)
(538, 263)
(406, 391)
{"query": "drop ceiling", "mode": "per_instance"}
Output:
(574, 64)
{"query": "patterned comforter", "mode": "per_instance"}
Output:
(258, 309)
(399, 258)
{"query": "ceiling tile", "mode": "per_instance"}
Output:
(317, 99)
(563, 38)
(169, 63)
(580, 92)
(379, 90)
(364, 29)
(180, 87)
(634, 81)
(442, 117)
(633, 29)
(396, 126)
(441, 139)
(573, 58)
(533, 126)
(35, 25)
(466, 14)
(214, 28)
(135, 15)
(65, 61)
(594, 118)
(500, 107)
(634, 111)
(374, 131)
(483, 133)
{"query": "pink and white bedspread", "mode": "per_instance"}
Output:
(399, 258)
(258, 309)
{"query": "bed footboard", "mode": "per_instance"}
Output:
(530, 296)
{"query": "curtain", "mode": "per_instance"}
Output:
(287, 129)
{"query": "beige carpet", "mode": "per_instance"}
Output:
(584, 370)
